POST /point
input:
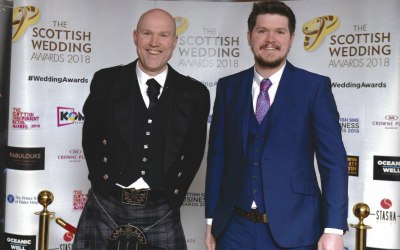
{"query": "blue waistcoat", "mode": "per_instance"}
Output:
(251, 186)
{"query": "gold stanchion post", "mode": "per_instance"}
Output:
(45, 198)
(361, 211)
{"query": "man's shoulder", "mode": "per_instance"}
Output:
(244, 73)
(188, 82)
(305, 73)
(116, 69)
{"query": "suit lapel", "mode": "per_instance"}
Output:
(246, 83)
(123, 93)
(281, 97)
(180, 107)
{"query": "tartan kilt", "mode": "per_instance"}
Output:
(95, 226)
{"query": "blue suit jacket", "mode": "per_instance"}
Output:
(303, 122)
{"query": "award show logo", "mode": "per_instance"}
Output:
(206, 48)
(350, 125)
(24, 120)
(386, 213)
(387, 168)
(194, 200)
(23, 17)
(361, 47)
(181, 24)
(316, 29)
(79, 200)
(67, 116)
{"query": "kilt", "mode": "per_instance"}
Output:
(95, 226)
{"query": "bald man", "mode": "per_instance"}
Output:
(143, 138)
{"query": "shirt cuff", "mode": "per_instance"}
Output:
(333, 231)
(209, 221)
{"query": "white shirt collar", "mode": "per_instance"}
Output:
(143, 77)
(275, 78)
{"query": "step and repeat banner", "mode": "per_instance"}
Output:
(58, 45)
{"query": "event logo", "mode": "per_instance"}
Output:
(24, 120)
(181, 24)
(194, 200)
(207, 48)
(388, 122)
(25, 158)
(19, 242)
(79, 200)
(68, 116)
(350, 125)
(353, 165)
(23, 17)
(361, 47)
(73, 155)
(316, 30)
(386, 213)
(387, 168)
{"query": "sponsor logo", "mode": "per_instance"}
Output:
(22, 199)
(73, 155)
(24, 120)
(23, 17)
(387, 168)
(353, 165)
(386, 212)
(79, 200)
(66, 244)
(25, 158)
(317, 29)
(19, 242)
(68, 116)
(194, 200)
(388, 122)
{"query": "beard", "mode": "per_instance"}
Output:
(269, 64)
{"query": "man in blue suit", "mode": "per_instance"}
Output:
(269, 122)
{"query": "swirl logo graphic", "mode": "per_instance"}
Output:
(316, 29)
(386, 203)
(23, 17)
(181, 24)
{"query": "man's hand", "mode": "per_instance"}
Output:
(209, 240)
(330, 241)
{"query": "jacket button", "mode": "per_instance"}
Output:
(182, 157)
(105, 177)
(179, 174)
(104, 142)
(176, 191)
(105, 160)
